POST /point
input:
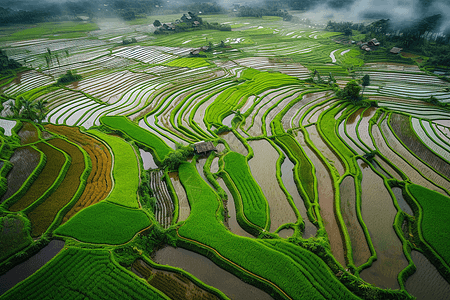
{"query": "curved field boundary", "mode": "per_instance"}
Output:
(254, 205)
(29, 180)
(105, 223)
(48, 180)
(89, 273)
(125, 171)
(438, 261)
(99, 182)
(148, 139)
(70, 189)
(242, 255)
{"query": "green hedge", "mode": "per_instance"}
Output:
(158, 147)
(125, 171)
(105, 223)
(254, 205)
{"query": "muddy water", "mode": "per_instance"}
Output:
(147, 158)
(286, 233)
(400, 163)
(199, 165)
(326, 200)
(378, 213)
(426, 283)
(183, 204)
(363, 128)
(287, 176)
(220, 147)
(28, 267)
(215, 165)
(324, 149)
(404, 206)
(263, 168)
(351, 124)
(360, 248)
(388, 168)
(208, 272)
(227, 120)
(234, 143)
(347, 140)
(406, 155)
(233, 225)
(24, 161)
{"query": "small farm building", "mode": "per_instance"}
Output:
(396, 50)
(374, 42)
(204, 147)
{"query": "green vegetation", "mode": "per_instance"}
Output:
(105, 223)
(53, 30)
(434, 221)
(125, 171)
(14, 234)
(191, 62)
(90, 273)
(254, 205)
(142, 136)
(7, 64)
(68, 78)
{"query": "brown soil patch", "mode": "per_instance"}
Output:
(28, 133)
(409, 55)
(99, 182)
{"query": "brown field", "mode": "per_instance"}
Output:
(45, 179)
(28, 133)
(99, 182)
(43, 215)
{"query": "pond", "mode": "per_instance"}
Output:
(404, 206)
(147, 158)
(28, 267)
(208, 272)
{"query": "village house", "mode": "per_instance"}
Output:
(203, 147)
(396, 50)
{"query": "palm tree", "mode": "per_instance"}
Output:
(28, 109)
(42, 110)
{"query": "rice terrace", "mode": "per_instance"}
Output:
(226, 153)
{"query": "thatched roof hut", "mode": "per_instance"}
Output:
(204, 147)
(396, 50)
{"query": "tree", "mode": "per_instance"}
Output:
(365, 82)
(157, 23)
(350, 92)
(42, 110)
(348, 31)
(27, 109)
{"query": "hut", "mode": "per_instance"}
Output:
(204, 147)
(396, 50)
(374, 42)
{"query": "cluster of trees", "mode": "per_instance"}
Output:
(27, 109)
(188, 23)
(247, 11)
(68, 78)
(7, 64)
(352, 92)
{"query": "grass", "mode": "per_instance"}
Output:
(254, 205)
(203, 231)
(125, 171)
(53, 30)
(105, 223)
(14, 234)
(93, 274)
(158, 147)
(188, 62)
(434, 225)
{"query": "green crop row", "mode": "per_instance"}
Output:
(148, 139)
(303, 170)
(48, 180)
(434, 218)
(105, 223)
(203, 233)
(254, 205)
(83, 274)
(235, 97)
(67, 193)
(125, 171)
(188, 62)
